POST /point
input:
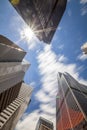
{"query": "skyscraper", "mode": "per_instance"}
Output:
(44, 124)
(71, 104)
(42, 16)
(14, 93)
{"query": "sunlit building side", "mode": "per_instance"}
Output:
(42, 16)
(71, 104)
(44, 124)
(15, 95)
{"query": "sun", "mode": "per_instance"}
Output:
(27, 33)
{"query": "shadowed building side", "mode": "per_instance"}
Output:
(42, 16)
(71, 104)
(12, 113)
(9, 52)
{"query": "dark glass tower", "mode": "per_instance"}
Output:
(71, 104)
(43, 16)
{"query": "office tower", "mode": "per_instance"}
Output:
(71, 104)
(42, 16)
(14, 93)
(44, 124)
(84, 48)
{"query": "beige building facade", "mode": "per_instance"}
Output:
(44, 124)
(14, 93)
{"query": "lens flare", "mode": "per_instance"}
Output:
(27, 33)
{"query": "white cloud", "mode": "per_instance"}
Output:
(84, 8)
(42, 97)
(60, 47)
(62, 58)
(82, 57)
(83, 1)
(69, 12)
(50, 63)
(59, 28)
(47, 108)
(32, 84)
(49, 66)
(69, 0)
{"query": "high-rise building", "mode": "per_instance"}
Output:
(44, 124)
(84, 48)
(71, 104)
(14, 93)
(42, 16)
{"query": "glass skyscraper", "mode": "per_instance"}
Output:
(71, 104)
(42, 16)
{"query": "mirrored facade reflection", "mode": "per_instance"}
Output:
(71, 104)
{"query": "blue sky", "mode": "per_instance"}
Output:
(64, 54)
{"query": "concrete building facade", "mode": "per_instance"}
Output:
(42, 16)
(14, 93)
(71, 104)
(44, 124)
